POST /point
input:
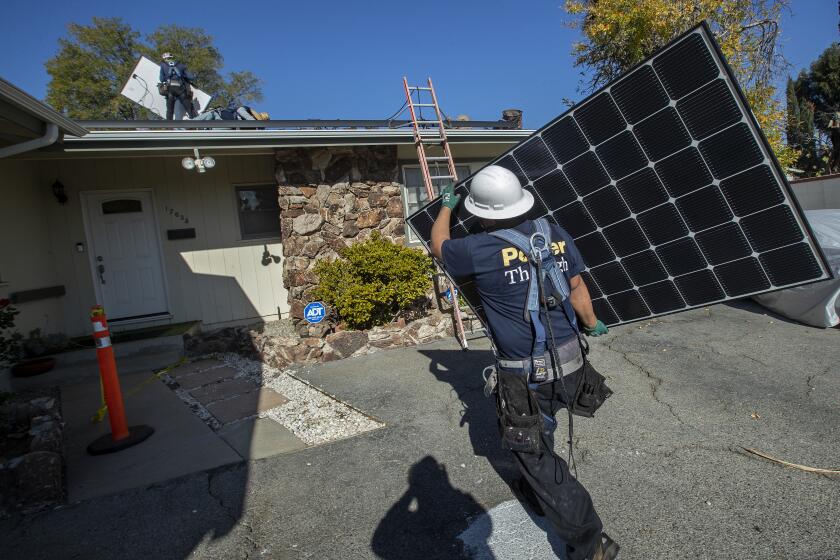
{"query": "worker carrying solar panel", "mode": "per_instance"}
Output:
(527, 274)
(176, 85)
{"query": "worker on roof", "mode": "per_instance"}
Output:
(176, 85)
(527, 275)
(233, 112)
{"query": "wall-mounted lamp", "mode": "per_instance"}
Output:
(58, 192)
(198, 162)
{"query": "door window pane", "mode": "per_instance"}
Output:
(122, 206)
(259, 212)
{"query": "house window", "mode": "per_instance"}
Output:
(259, 211)
(414, 191)
(123, 206)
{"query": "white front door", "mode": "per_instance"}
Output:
(125, 254)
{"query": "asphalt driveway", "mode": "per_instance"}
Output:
(663, 461)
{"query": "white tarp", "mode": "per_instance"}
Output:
(141, 87)
(815, 304)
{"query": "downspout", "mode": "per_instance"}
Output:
(49, 137)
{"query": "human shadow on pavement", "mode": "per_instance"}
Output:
(425, 522)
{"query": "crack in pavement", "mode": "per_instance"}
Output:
(810, 380)
(231, 513)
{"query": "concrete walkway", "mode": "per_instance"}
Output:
(662, 461)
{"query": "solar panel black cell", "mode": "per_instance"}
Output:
(629, 305)
(621, 155)
(752, 190)
(642, 190)
(672, 66)
(639, 95)
(662, 134)
(772, 228)
(644, 268)
(422, 224)
(575, 219)
(626, 238)
(565, 140)
(742, 277)
(534, 158)
(709, 109)
(594, 249)
(681, 256)
(599, 118)
(555, 189)
(586, 174)
(662, 297)
(606, 207)
(723, 243)
(683, 172)
(700, 287)
(662, 224)
(704, 209)
(611, 277)
(539, 209)
(591, 285)
(733, 150)
(791, 264)
(604, 311)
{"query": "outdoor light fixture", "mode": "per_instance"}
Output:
(198, 162)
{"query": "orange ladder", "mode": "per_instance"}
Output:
(430, 133)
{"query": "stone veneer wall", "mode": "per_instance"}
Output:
(330, 198)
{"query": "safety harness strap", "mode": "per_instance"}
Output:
(538, 249)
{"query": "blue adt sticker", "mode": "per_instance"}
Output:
(314, 312)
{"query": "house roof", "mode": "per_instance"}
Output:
(162, 140)
(23, 118)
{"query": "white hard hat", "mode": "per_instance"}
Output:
(496, 194)
(166, 56)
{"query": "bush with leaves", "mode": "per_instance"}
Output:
(374, 281)
(10, 349)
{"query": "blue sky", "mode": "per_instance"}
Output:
(330, 59)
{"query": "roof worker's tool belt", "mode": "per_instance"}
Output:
(569, 359)
(520, 419)
(592, 393)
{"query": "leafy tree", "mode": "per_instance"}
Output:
(619, 34)
(92, 64)
(820, 87)
(802, 135)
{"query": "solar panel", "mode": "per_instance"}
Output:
(667, 185)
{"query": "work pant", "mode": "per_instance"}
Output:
(185, 100)
(565, 501)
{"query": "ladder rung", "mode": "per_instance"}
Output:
(423, 104)
(433, 177)
(427, 122)
(437, 158)
(420, 88)
(431, 140)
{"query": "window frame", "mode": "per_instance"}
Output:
(410, 238)
(237, 212)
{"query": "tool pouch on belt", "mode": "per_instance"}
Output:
(520, 420)
(593, 392)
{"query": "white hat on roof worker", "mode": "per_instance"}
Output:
(167, 56)
(497, 194)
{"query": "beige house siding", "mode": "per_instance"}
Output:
(216, 277)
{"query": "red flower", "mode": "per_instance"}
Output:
(4, 302)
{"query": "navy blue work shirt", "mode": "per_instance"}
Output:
(501, 277)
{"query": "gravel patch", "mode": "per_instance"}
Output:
(312, 415)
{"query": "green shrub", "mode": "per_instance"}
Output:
(374, 281)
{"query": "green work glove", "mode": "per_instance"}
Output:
(448, 196)
(599, 329)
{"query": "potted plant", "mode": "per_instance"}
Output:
(11, 349)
